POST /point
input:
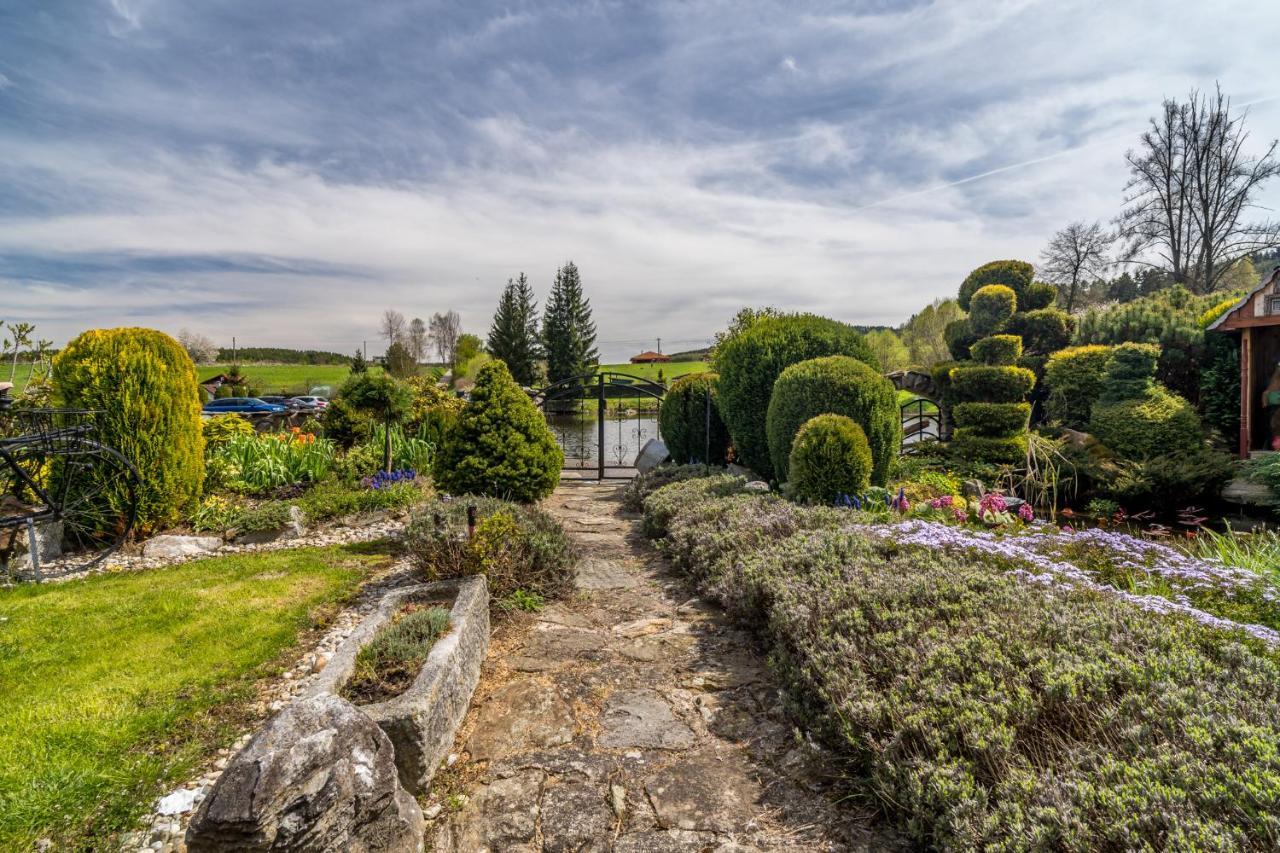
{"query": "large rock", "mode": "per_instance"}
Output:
(653, 454)
(168, 546)
(319, 776)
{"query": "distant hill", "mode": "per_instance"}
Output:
(280, 355)
(691, 355)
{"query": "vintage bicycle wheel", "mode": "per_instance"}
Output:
(95, 501)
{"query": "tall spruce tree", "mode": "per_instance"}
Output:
(568, 334)
(513, 337)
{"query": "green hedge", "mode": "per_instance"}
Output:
(836, 385)
(683, 421)
(998, 350)
(1075, 378)
(829, 458)
(991, 309)
(1015, 275)
(501, 445)
(993, 418)
(984, 712)
(980, 383)
(973, 444)
(145, 385)
(750, 360)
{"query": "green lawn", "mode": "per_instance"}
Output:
(117, 686)
(284, 378)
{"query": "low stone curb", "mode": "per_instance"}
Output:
(421, 721)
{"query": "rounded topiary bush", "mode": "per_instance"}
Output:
(683, 421)
(1015, 275)
(991, 308)
(500, 445)
(959, 336)
(1042, 331)
(1037, 295)
(838, 385)
(829, 458)
(1131, 371)
(144, 384)
(1075, 378)
(750, 360)
(1158, 423)
(998, 350)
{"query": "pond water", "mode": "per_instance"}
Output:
(578, 436)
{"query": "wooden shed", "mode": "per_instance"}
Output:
(1256, 319)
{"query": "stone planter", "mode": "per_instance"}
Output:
(422, 721)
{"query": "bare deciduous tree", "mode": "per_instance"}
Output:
(417, 339)
(392, 326)
(1075, 256)
(201, 349)
(1190, 185)
(445, 329)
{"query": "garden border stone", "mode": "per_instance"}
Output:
(422, 721)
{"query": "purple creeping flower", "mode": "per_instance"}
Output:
(1041, 560)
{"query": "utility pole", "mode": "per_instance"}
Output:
(659, 346)
(233, 349)
(364, 350)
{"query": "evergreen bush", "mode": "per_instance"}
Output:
(1075, 378)
(959, 336)
(992, 418)
(1043, 331)
(835, 385)
(983, 383)
(1038, 295)
(830, 457)
(1015, 275)
(501, 445)
(1220, 383)
(683, 421)
(750, 359)
(991, 308)
(1137, 418)
(144, 384)
(998, 350)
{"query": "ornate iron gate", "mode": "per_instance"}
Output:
(602, 420)
(922, 420)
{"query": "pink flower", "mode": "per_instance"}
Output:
(1026, 513)
(992, 502)
(960, 514)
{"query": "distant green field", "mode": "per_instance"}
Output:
(283, 378)
(668, 371)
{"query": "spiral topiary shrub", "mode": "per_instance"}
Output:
(684, 421)
(144, 384)
(1075, 378)
(984, 383)
(750, 360)
(838, 385)
(996, 419)
(991, 308)
(500, 445)
(830, 457)
(1016, 275)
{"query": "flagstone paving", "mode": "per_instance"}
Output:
(634, 717)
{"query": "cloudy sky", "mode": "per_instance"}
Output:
(283, 171)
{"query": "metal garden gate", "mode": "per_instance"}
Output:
(602, 420)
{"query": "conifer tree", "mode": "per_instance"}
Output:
(513, 337)
(568, 334)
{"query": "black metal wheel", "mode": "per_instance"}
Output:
(95, 500)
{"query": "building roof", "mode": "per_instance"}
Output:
(1258, 307)
(649, 355)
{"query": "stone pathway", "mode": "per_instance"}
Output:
(634, 717)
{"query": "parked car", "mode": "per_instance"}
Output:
(243, 406)
(318, 403)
